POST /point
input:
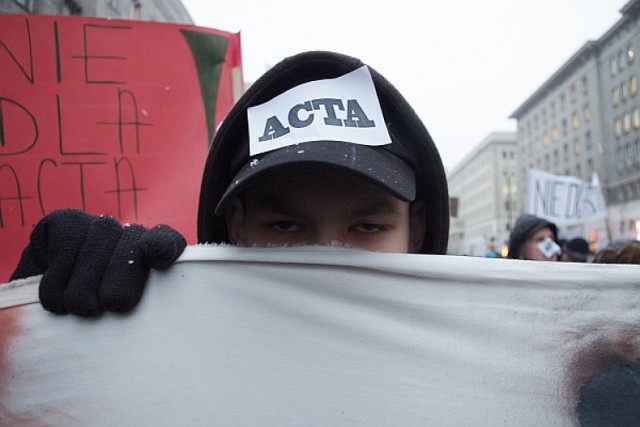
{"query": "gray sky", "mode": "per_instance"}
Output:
(464, 65)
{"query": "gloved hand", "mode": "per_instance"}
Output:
(91, 263)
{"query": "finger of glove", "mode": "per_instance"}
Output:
(161, 246)
(124, 280)
(57, 234)
(57, 240)
(81, 294)
(28, 266)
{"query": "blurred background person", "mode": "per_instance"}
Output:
(535, 239)
(627, 253)
(576, 250)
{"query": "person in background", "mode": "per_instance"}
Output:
(534, 239)
(576, 250)
(627, 253)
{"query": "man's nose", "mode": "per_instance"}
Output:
(327, 236)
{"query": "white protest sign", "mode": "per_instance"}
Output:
(564, 200)
(343, 109)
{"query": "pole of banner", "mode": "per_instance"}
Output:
(607, 220)
(607, 224)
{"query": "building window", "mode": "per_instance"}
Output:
(633, 85)
(620, 156)
(565, 152)
(554, 133)
(587, 113)
(637, 144)
(590, 169)
(577, 146)
(562, 101)
(70, 7)
(615, 96)
(636, 117)
(618, 126)
(27, 5)
(553, 110)
(626, 124)
(630, 54)
(545, 139)
(575, 120)
(135, 11)
(587, 140)
(564, 126)
(613, 66)
(579, 171)
(585, 85)
(573, 92)
(630, 156)
(537, 144)
(624, 87)
(621, 60)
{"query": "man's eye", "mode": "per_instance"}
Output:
(369, 228)
(285, 226)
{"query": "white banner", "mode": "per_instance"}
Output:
(329, 337)
(564, 200)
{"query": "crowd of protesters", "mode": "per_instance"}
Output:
(536, 239)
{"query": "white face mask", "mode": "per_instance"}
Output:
(548, 248)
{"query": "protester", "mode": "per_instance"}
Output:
(627, 253)
(321, 149)
(535, 239)
(576, 250)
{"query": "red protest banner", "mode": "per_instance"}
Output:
(109, 116)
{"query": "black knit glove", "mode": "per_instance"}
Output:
(91, 263)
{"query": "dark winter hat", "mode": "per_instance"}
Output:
(525, 227)
(406, 164)
(578, 248)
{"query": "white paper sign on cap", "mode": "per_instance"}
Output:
(343, 109)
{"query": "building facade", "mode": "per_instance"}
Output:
(585, 119)
(485, 202)
(146, 10)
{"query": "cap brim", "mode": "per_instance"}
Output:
(377, 166)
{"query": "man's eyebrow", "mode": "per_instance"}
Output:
(376, 206)
(272, 203)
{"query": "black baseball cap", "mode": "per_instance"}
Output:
(408, 166)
